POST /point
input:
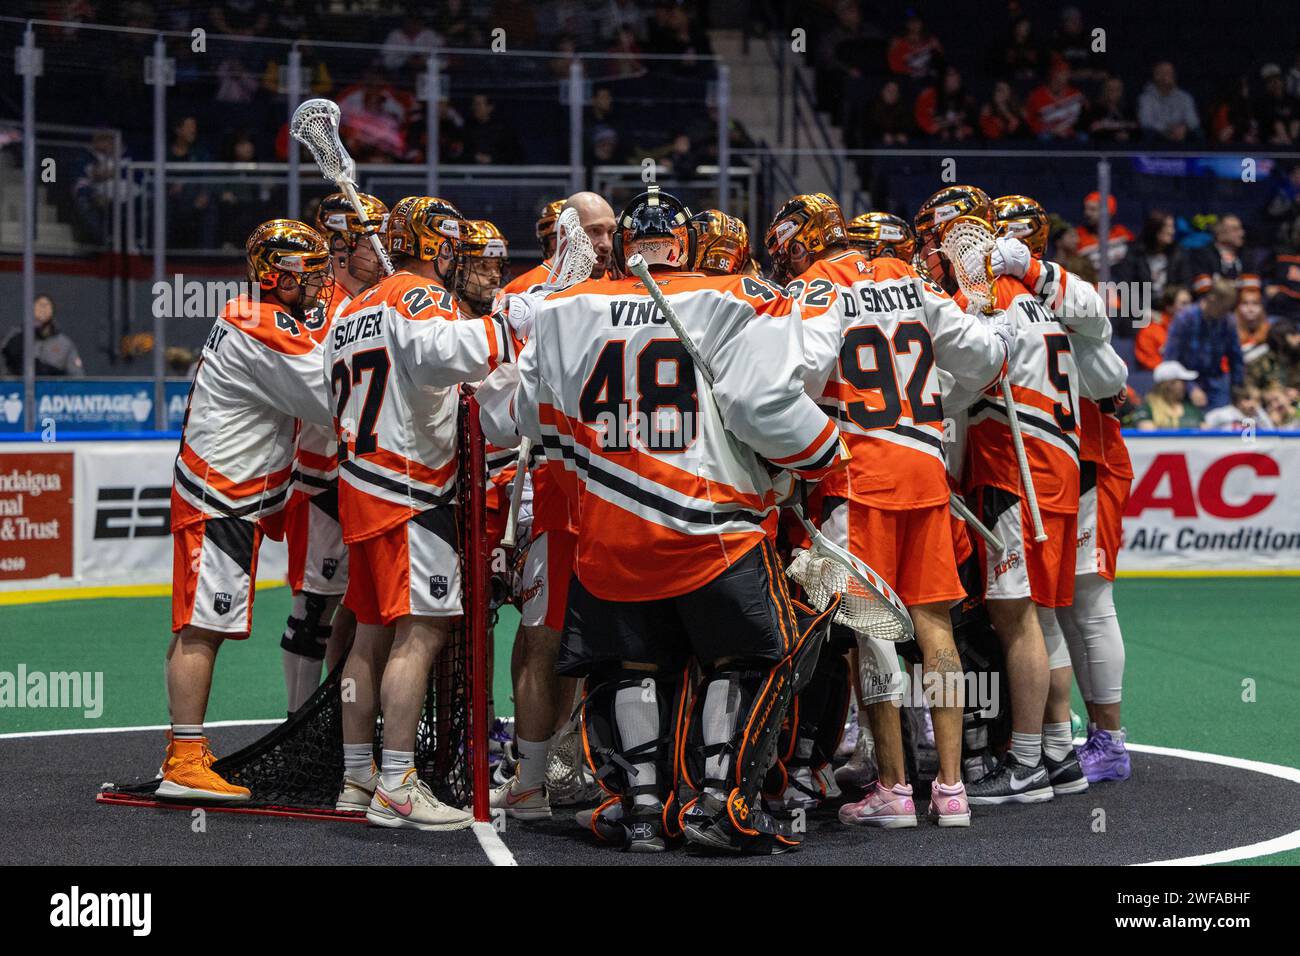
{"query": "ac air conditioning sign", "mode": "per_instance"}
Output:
(1213, 504)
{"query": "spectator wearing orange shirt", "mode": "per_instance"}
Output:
(1053, 109)
(1002, 117)
(913, 53)
(1150, 342)
(1120, 236)
(944, 111)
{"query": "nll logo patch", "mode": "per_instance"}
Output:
(328, 567)
(438, 585)
(221, 602)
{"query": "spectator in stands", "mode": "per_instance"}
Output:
(1154, 258)
(846, 57)
(1002, 117)
(1244, 413)
(1166, 112)
(1022, 59)
(1203, 338)
(376, 117)
(889, 122)
(628, 47)
(1232, 120)
(1109, 119)
(1278, 111)
(93, 192)
(1149, 344)
(191, 219)
(1252, 322)
(1283, 288)
(1281, 410)
(676, 29)
(1119, 237)
(1053, 109)
(241, 204)
(914, 52)
(56, 354)
(319, 82)
(682, 158)
(457, 25)
(408, 45)
(1073, 44)
(1167, 404)
(945, 111)
(489, 140)
(1065, 250)
(1283, 208)
(1222, 257)
(617, 16)
(242, 17)
(1285, 341)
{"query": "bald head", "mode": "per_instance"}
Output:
(597, 218)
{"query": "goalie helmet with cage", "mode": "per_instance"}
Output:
(807, 225)
(1021, 217)
(428, 229)
(721, 243)
(483, 255)
(546, 224)
(657, 225)
(932, 219)
(287, 246)
(880, 234)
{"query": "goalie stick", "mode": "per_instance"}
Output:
(572, 263)
(315, 124)
(967, 243)
(869, 604)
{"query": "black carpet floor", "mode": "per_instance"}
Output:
(1170, 808)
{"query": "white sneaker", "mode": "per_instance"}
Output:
(849, 739)
(521, 804)
(357, 793)
(797, 797)
(826, 781)
(861, 768)
(413, 805)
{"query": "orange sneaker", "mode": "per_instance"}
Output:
(188, 775)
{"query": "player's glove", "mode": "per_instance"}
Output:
(1004, 328)
(520, 312)
(1010, 257)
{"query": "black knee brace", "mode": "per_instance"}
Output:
(307, 636)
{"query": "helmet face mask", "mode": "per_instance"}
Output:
(290, 260)
(346, 232)
(546, 224)
(805, 227)
(930, 223)
(1023, 218)
(881, 235)
(657, 226)
(483, 255)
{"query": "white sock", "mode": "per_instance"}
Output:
(719, 721)
(532, 762)
(187, 731)
(638, 724)
(1057, 740)
(357, 760)
(1028, 748)
(395, 765)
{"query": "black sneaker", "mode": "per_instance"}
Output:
(644, 827)
(1011, 782)
(1065, 774)
(708, 827)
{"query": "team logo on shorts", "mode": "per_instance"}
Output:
(328, 567)
(1012, 560)
(221, 601)
(438, 585)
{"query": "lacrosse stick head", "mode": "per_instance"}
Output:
(867, 604)
(966, 243)
(574, 256)
(315, 124)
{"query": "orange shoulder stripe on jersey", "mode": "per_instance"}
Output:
(269, 325)
(407, 466)
(318, 462)
(670, 476)
(231, 489)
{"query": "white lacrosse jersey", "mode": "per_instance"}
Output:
(316, 460)
(670, 486)
(259, 372)
(875, 336)
(392, 360)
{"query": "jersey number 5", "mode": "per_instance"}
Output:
(374, 361)
(667, 405)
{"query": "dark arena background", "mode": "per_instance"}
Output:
(141, 144)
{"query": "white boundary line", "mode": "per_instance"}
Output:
(499, 854)
(1289, 841)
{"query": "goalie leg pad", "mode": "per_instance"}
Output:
(615, 766)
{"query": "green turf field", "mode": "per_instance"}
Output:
(1198, 650)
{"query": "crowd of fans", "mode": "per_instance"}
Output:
(888, 89)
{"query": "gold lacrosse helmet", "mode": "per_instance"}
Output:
(289, 246)
(423, 227)
(337, 217)
(484, 255)
(1023, 218)
(934, 215)
(546, 225)
(881, 234)
(721, 243)
(814, 221)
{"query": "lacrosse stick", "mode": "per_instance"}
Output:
(967, 242)
(572, 263)
(869, 605)
(315, 124)
(968, 516)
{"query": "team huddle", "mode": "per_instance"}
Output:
(643, 472)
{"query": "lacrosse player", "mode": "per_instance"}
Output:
(1090, 623)
(874, 331)
(545, 231)
(318, 629)
(260, 371)
(673, 555)
(393, 358)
